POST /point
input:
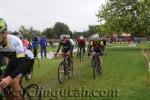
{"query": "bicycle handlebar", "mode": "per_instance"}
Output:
(64, 55)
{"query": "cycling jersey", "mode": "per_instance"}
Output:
(81, 42)
(25, 43)
(96, 43)
(65, 46)
(29, 53)
(18, 65)
(15, 44)
(71, 41)
(97, 46)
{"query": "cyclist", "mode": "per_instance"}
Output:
(96, 46)
(72, 43)
(16, 67)
(29, 55)
(81, 44)
(66, 47)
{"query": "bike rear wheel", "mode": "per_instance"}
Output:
(96, 66)
(81, 56)
(93, 63)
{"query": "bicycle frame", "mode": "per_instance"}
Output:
(63, 68)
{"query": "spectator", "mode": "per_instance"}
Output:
(43, 45)
(35, 45)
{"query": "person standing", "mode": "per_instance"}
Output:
(43, 45)
(35, 45)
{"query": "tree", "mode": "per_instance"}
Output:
(93, 29)
(77, 34)
(61, 28)
(131, 16)
(28, 32)
(49, 33)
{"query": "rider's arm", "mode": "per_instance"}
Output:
(90, 45)
(70, 46)
(84, 42)
(59, 47)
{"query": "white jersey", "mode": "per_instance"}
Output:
(72, 42)
(15, 44)
(29, 53)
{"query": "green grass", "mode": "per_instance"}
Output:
(124, 70)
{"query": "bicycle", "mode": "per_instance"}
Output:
(25, 90)
(96, 65)
(80, 53)
(27, 93)
(65, 68)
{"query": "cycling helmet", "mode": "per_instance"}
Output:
(81, 37)
(3, 25)
(95, 36)
(68, 36)
(63, 37)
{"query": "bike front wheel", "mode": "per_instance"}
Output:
(61, 73)
(81, 56)
(31, 92)
(70, 70)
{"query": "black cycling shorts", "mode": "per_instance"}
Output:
(30, 64)
(17, 66)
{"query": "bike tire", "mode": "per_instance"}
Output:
(61, 72)
(93, 62)
(31, 92)
(70, 72)
(97, 66)
(81, 56)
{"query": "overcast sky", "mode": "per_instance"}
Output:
(77, 14)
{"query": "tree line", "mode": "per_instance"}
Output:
(124, 16)
(114, 17)
(54, 32)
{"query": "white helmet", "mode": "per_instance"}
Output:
(61, 36)
(68, 36)
(95, 36)
(81, 37)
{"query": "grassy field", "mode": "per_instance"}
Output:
(124, 73)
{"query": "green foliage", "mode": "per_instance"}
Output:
(61, 28)
(58, 29)
(77, 34)
(131, 16)
(92, 29)
(28, 32)
(49, 33)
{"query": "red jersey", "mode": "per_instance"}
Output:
(25, 43)
(81, 42)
